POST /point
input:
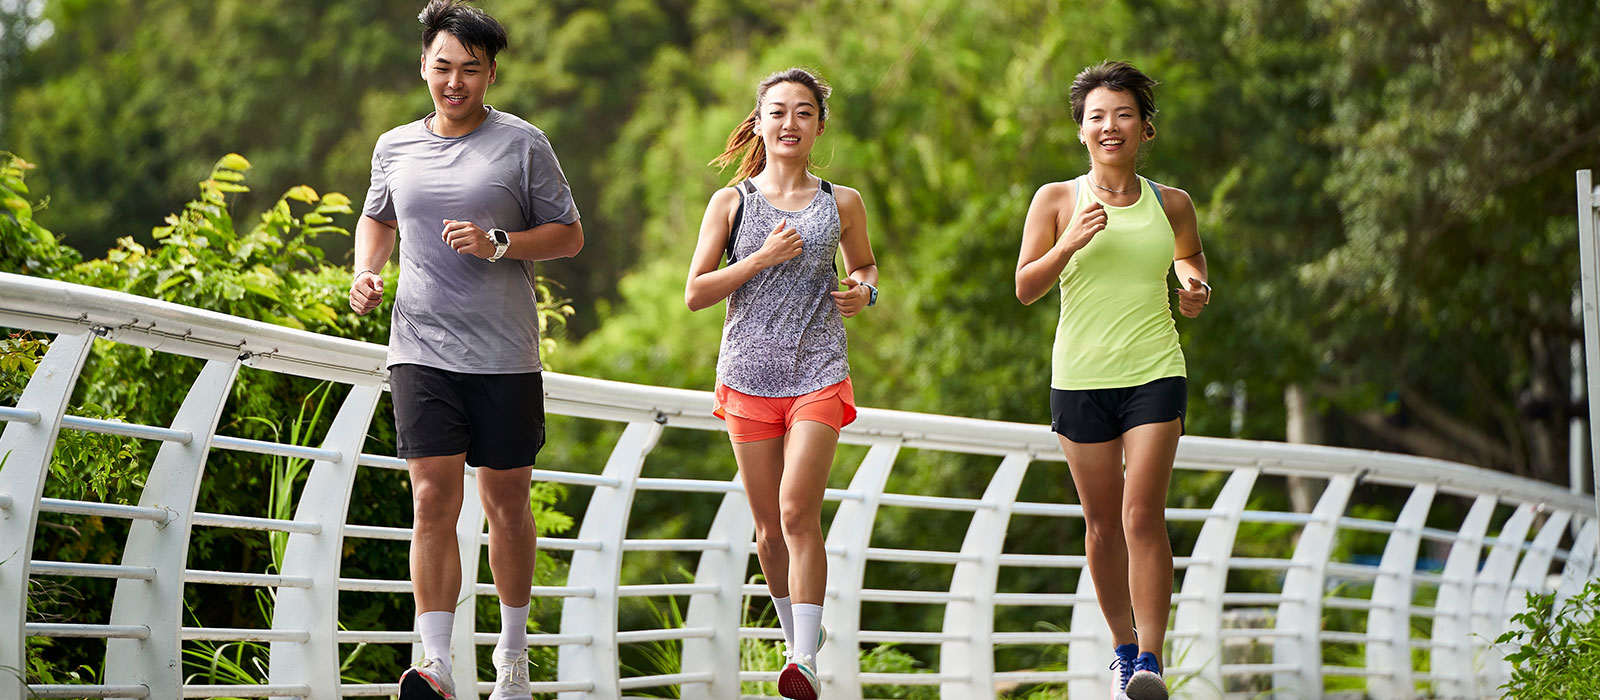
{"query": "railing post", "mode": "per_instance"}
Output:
(1389, 621)
(973, 657)
(721, 611)
(1300, 613)
(26, 449)
(1589, 274)
(1452, 658)
(851, 532)
(1207, 580)
(1489, 595)
(173, 484)
(605, 520)
(1580, 564)
(1085, 655)
(324, 499)
(469, 544)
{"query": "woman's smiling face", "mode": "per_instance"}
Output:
(1112, 128)
(790, 120)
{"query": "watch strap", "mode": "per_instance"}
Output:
(501, 241)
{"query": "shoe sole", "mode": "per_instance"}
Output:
(415, 686)
(793, 685)
(1147, 686)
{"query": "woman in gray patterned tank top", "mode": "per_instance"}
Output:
(783, 376)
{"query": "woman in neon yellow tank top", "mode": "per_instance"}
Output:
(1117, 383)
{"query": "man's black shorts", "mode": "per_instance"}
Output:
(497, 419)
(1102, 415)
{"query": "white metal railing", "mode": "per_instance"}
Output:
(1480, 586)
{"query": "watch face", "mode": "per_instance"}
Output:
(499, 237)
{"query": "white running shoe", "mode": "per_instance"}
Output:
(822, 638)
(511, 675)
(798, 680)
(428, 680)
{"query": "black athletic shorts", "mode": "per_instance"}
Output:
(497, 419)
(1102, 415)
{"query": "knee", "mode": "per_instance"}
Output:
(433, 504)
(800, 521)
(509, 517)
(1102, 531)
(769, 536)
(1144, 521)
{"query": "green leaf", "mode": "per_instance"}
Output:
(321, 313)
(301, 193)
(171, 282)
(234, 161)
(335, 199)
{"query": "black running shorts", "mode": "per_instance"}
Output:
(497, 419)
(1102, 415)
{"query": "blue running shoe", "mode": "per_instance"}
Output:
(1123, 665)
(1146, 682)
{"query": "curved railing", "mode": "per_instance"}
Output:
(1544, 538)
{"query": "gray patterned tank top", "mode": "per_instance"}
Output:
(783, 335)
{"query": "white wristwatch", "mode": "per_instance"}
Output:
(501, 243)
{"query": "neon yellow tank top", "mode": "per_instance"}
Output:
(1116, 328)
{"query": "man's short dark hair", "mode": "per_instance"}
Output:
(473, 27)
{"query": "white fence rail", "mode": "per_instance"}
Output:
(1509, 542)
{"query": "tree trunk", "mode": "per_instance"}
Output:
(1304, 428)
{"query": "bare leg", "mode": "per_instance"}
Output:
(1151, 449)
(761, 470)
(1097, 475)
(436, 505)
(513, 538)
(807, 457)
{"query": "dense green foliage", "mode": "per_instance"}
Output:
(1384, 188)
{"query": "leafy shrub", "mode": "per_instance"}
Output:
(1554, 652)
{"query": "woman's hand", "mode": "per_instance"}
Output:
(1193, 300)
(1090, 221)
(853, 299)
(782, 245)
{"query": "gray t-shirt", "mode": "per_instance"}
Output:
(455, 311)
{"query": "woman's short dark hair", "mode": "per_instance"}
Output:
(473, 27)
(1120, 76)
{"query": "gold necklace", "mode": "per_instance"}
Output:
(1108, 189)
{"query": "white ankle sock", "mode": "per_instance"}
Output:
(785, 618)
(435, 628)
(807, 625)
(513, 628)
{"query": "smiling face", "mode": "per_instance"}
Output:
(1112, 128)
(458, 79)
(790, 120)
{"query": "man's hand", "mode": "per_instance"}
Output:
(467, 239)
(366, 292)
